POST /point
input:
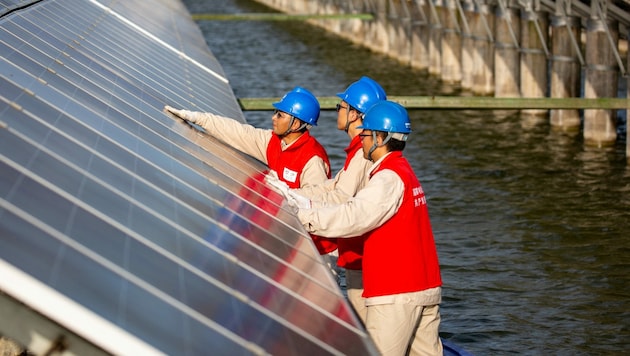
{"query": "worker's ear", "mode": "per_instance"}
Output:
(379, 139)
(355, 115)
(296, 124)
(358, 120)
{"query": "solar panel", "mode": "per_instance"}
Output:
(129, 232)
(7, 6)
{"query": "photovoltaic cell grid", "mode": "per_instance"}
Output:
(7, 6)
(129, 228)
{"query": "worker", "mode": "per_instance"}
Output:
(291, 153)
(401, 273)
(358, 97)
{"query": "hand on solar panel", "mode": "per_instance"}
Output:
(294, 199)
(186, 115)
(297, 200)
(272, 179)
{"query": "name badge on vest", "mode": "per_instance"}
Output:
(289, 175)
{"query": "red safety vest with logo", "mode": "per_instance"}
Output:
(400, 255)
(289, 164)
(351, 249)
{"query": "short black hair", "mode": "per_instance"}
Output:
(393, 144)
(396, 145)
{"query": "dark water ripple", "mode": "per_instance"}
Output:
(532, 228)
(541, 237)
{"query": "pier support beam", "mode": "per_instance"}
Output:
(376, 34)
(481, 25)
(533, 64)
(399, 34)
(506, 53)
(565, 71)
(420, 35)
(468, 45)
(435, 42)
(601, 81)
(328, 8)
(451, 44)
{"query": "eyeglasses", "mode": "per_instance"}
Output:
(362, 135)
(339, 107)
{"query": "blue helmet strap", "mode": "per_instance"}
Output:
(374, 146)
(389, 136)
(304, 125)
(289, 130)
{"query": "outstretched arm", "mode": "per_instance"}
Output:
(372, 206)
(245, 138)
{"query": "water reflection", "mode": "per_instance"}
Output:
(532, 227)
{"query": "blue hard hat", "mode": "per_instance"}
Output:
(387, 116)
(300, 103)
(362, 94)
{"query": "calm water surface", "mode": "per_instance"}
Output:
(532, 228)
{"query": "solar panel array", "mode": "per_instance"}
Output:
(125, 227)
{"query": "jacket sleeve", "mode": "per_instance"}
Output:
(345, 184)
(244, 137)
(372, 206)
(312, 191)
(315, 172)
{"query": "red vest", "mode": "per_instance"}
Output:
(290, 162)
(351, 249)
(289, 165)
(400, 255)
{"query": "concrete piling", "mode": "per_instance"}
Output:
(481, 25)
(435, 38)
(601, 80)
(506, 53)
(565, 71)
(468, 45)
(533, 61)
(420, 36)
(451, 71)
